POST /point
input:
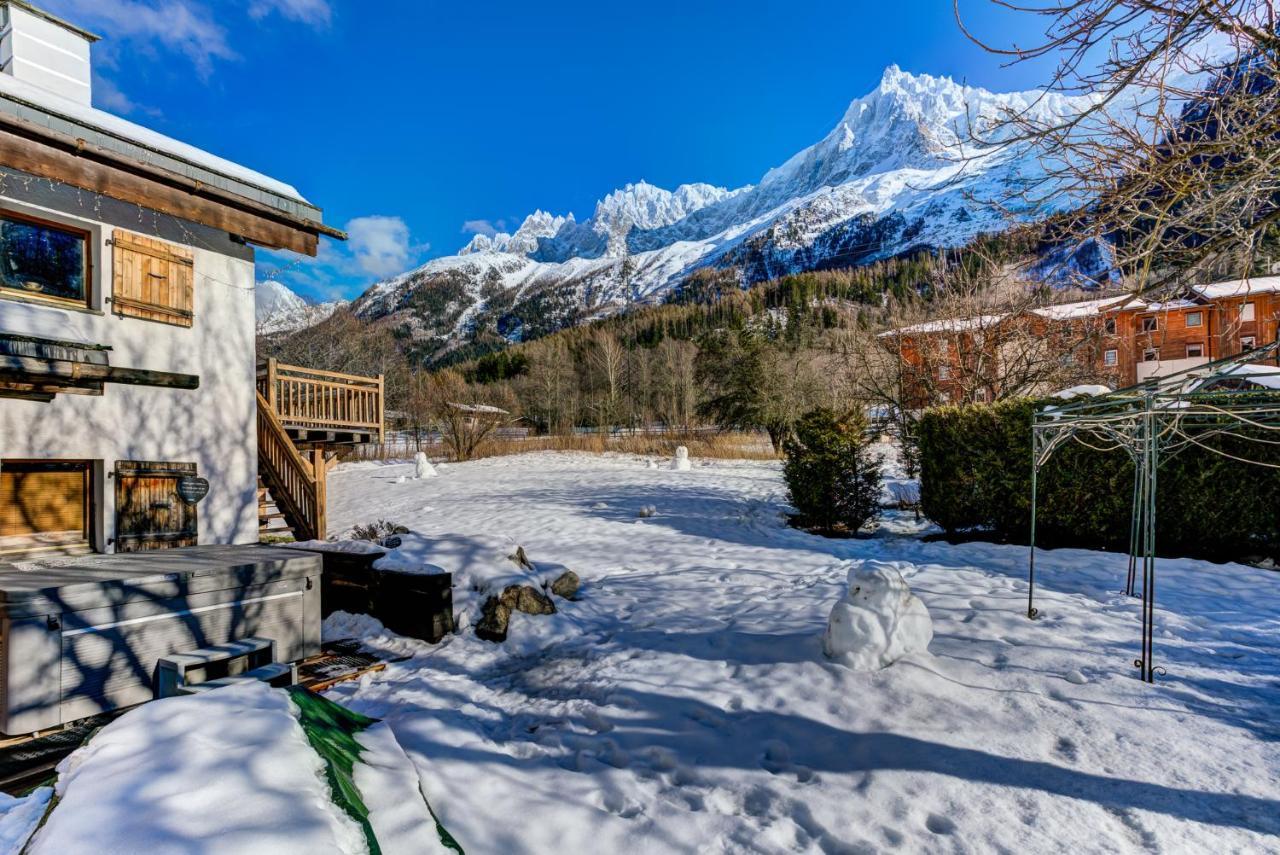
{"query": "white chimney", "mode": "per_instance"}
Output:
(45, 50)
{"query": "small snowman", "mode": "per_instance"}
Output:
(422, 467)
(681, 461)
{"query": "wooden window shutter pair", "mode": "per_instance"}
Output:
(152, 279)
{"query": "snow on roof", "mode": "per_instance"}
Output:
(1239, 287)
(977, 322)
(478, 408)
(1169, 305)
(15, 92)
(1086, 308)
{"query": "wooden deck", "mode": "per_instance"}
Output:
(327, 407)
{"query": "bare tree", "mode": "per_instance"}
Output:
(1174, 149)
(982, 337)
(606, 358)
(677, 386)
(467, 414)
(550, 385)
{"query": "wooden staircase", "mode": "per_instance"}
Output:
(302, 414)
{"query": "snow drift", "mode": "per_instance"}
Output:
(878, 621)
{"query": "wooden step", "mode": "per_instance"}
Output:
(275, 516)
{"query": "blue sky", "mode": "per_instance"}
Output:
(413, 121)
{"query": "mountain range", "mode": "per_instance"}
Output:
(902, 170)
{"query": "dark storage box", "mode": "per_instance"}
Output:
(414, 604)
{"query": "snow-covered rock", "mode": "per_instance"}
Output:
(680, 463)
(422, 467)
(878, 621)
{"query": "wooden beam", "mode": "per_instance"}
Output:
(31, 370)
(81, 166)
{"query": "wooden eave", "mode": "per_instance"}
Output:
(48, 153)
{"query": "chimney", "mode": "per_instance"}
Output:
(45, 50)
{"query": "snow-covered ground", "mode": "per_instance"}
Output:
(683, 702)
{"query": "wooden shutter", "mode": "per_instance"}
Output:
(149, 512)
(152, 279)
(43, 505)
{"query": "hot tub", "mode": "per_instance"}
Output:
(83, 637)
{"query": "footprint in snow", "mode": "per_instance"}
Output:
(939, 824)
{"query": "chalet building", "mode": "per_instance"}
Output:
(128, 381)
(1117, 340)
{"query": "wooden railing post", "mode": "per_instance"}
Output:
(382, 419)
(320, 469)
(271, 383)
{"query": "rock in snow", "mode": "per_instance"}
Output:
(422, 467)
(879, 620)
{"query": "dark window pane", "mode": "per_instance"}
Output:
(40, 259)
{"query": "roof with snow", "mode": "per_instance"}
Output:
(479, 409)
(33, 110)
(1088, 308)
(952, 325)
(1238, 287)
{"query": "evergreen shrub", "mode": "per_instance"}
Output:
(975, 473)
(832, 478)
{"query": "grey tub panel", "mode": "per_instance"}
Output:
(89, 642)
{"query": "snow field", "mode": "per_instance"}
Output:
(684, 702)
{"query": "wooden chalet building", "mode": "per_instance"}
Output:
(1117, 340)
(128, 379)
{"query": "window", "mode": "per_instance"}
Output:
(1247, 342)
(1150, 324)
(1195, 319)
(944, 372)
(1195, 351)
(980, 395)
(44, 260)
(1111, 357)
(1109, 325)
(151, 280)
(1151, 354)
(1246, 312)
(44, 507)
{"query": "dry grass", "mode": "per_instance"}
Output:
(730, 445)
(725, 446)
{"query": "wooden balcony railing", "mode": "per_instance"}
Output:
(297, 485)
(322, 400)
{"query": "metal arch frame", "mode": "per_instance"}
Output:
(1160, 416)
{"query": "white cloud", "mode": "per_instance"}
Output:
(317, 13)
(380, 244)
(180, 26)
(482, 227)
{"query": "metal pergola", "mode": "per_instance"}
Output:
(1238, 396)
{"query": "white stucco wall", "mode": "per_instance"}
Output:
(212, 426)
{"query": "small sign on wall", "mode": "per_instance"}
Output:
(192, 489)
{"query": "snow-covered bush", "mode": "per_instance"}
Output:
(878, 621)
(832, 476)
(375, 531)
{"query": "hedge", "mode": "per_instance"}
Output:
(975, 474)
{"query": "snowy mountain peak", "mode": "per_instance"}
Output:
(278, 309)
(539, 224)
(900, 171)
